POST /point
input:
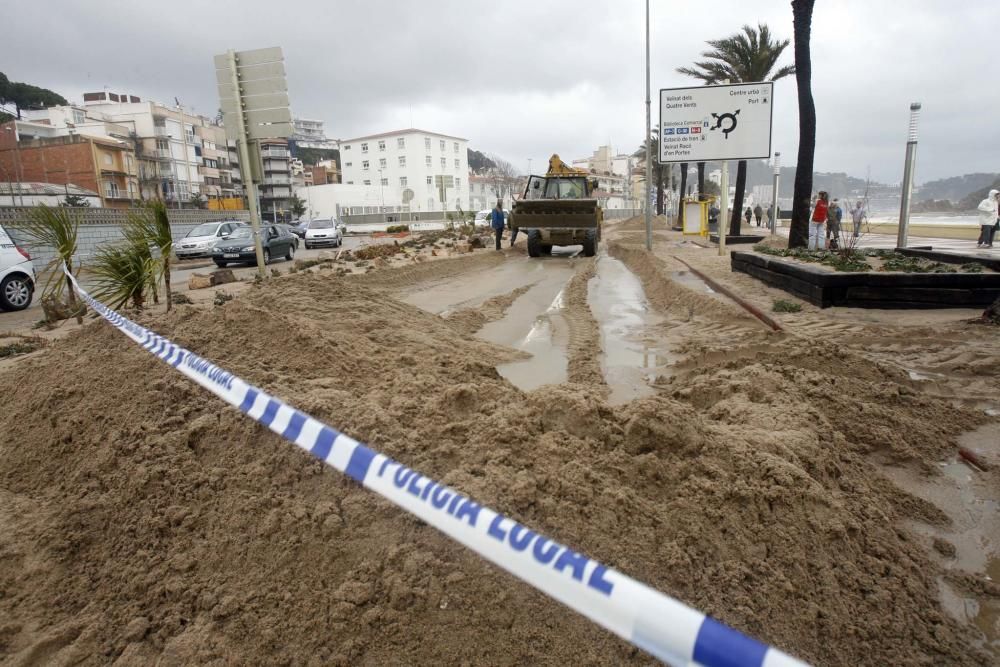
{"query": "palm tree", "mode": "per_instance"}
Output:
(798, 233)
(56, 227)
(659, 169)
(746, 57)
(684, 185)
(150, 226)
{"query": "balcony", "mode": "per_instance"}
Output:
(161, 131)
(277, 180)
(275, 193)
(209, 172)
(112, 191)
(274, 152)
(163, 153)
(273, 165)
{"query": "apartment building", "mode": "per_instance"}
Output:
(309, 133)
(216, 168)
(105, 164)
(408, 170)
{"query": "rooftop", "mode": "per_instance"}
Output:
(411, 130)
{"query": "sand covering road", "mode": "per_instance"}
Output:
(141, 520)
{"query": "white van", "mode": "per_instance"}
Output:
(17, 274)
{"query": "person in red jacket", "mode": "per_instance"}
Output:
(817, 226)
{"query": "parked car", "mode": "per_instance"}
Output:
(299, 228)
(323, 232)
(290, 229)
(239, 246)
(199, 241)
(17, 274)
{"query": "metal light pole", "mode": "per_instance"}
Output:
(724, 208)
(911, 159)
(649, 149)
(774, 193)
(17, 166)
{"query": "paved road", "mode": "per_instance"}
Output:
(180, 275)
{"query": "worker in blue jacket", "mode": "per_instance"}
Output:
(497, 221)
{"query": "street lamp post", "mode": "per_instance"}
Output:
(381, 191)
(649, 149)
(17, 165)
(774, 193)
(911, 159)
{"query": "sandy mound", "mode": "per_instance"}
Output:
(143, 520)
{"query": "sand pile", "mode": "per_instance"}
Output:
(142, 520)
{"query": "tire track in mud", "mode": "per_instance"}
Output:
(470, 320)
(584, 346)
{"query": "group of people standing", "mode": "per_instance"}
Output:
(824, 226)
(758, 213)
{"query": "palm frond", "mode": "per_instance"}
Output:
(122, 273)
(744, 57)
(56, 227)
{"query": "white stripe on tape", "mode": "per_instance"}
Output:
(656, 623)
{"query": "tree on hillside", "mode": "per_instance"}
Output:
(798, 235)
(25, 96)
(746, 57)
(478, 162)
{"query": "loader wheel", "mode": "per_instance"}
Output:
(534, 243)
(590, 243)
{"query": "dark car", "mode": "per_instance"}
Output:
(299, 229)
(239, 246)
(290, 229)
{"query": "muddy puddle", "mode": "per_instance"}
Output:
(534, 325)
(972, 502)
(630, 357)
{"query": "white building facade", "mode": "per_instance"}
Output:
(407, 170)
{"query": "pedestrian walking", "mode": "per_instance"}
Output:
(748, 214)
(834, 215)
(497, 221)
(758, 213)
(989, 219)
(817, 225)
(857, 215)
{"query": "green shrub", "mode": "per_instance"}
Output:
(786, 306)
(397, 229)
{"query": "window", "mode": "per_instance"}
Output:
(163, 144)
(366, 182)
(381, 163)
(401, 142)
(442, 145)
(402, 181)
(108, 160)
(381, 145)
(78, 117)
(385, 181)
(348, 164)
(350, 182)
(429, 178)
(402, 160)
(364, 148)
(427, 160)
(347, 147)
(427, 143)
(456, 146)
(364, 165)
(457, 162)
(458, 183)
(444, 163)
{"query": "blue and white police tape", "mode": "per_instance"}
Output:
(666, 628)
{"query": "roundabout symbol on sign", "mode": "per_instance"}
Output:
(720, 117)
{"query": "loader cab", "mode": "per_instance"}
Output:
(557, 187)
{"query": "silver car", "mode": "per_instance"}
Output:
(199, 241)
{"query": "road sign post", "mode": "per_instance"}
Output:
(254, 100)
(716, 124)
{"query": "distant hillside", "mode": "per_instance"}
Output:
(971, 201)
(957, 188)
(478, 162)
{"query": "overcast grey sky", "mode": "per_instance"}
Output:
(523, 79)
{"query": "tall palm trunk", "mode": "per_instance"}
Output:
(741, 185)
(680, 201)
(701, 179)
(798, 236)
